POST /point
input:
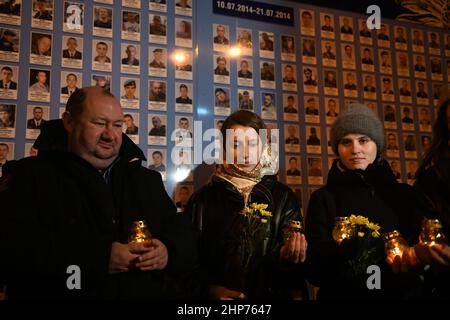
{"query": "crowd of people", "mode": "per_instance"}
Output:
(93, 172)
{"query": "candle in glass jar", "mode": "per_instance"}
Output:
(432, 232)
(342, 229)
(394, 244)
(139, 233)
(290, 228)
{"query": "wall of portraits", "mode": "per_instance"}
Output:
(168, 62)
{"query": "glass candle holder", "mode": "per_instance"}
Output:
(290, 228)
(431, 232)
(342, 229)
(140, 233)
(394, 244)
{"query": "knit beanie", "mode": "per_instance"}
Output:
(358, 119)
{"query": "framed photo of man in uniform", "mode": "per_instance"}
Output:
(267, 70)
(392, 149)
(293, 170)
(101, 55)
(409, 144)
(313, 139)
(288, 48)
(73, 17)
(42, 14)
(36, 117)
(405, 90)
(158, 29)
(327, 28)
(312, 112)
(39, 85)
(157, 161)
(331, 109)
(222, 100)
(157, 124)
(41, 48)
(183, 65)
(290, 107)
(244, 41)
(221, 69)
(402, 64)
(310, 80)
(130, 58)
(221, 37)
(131, 25)
(417, 40)
(157, 95)
(266, 45)
(158, 62)
(129, 92)
(246, 99)
(184, 97)
(348, 56)
(182, 135)
(367, 59)
(346, 28)
(103, 18)
(183, 33)
(291, 138)
(72, 53)
(307, 23)
(8, 81)
(9, 44)
(328, 54)
(383, 36)
(330, 84)
(369, 87)
(315, 170)
(268, 106)
(289, 76)
(434, 43)
(385, 61)
(245, 72)
(401, 38)
(10, 12)
(131, 125)
(8, 120)
(70, 83)
(407, 118)
(365, 35)
(422, 96)
(390, 116)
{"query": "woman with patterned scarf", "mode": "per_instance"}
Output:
(245, 178)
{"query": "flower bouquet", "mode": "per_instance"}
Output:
(254, 227)
(367, 237)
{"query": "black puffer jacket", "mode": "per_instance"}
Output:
(214, 210)
(375, 194)
(434, 194)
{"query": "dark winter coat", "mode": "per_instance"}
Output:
(375, 194)
(214, 210)
(58, 211)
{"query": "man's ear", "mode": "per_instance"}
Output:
(68, 121)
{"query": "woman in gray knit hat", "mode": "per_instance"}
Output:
(360, 182)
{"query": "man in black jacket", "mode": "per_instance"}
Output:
(95, 186)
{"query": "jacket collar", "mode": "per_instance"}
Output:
(378, 173)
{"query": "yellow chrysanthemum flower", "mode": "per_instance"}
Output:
(361, 234)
